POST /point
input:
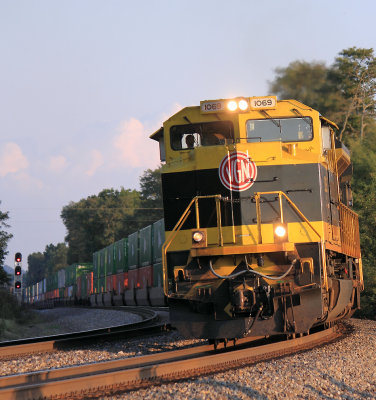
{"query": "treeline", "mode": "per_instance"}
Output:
(97, 221)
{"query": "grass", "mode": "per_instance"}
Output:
(15, 320)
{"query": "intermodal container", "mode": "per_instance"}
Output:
(61, 278)
(75, 270)
(110, 260)
(133, 278)
(158, 240)
(119, 283)
(145, 277)
(102, 284)
(121, 255)
(102, 263)
(96, 262)
(109, 283)
(133, 250)
(145, 246)
(89, 283)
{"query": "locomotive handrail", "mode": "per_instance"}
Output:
(180, 224)
(257, 196)
(281, 194)
(217, 198)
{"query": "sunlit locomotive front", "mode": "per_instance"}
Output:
(260, 235)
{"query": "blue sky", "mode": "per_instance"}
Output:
(83, 83)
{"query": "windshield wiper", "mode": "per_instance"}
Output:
(276, 123)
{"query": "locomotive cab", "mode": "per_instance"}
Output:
(260, 235)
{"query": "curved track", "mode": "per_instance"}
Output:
(92, 380)
(149, 324)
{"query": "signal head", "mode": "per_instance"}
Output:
(18, 257)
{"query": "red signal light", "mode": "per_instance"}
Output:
(17, 285)
(17, 270)
(18, 257)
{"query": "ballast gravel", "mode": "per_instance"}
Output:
(342, 370)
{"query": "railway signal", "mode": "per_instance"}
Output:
(17, 270)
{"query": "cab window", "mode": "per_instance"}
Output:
(280, 129)
(184, 137)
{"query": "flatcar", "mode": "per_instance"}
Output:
(261, 238)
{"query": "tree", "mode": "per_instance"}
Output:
(354, 74)
(99, 220)
(55, 257)
(4, 238)
(43, 264)
(36, 268)
(151, 207)
(308, 83)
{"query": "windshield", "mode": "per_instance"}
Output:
(278, 129)
(202, 134)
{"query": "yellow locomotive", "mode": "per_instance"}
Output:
(260, 235)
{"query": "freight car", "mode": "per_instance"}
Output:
(127, 272)
(261, 238)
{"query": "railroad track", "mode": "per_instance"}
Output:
(93, 380)
(149, 324)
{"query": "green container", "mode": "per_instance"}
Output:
(83, 286)
(157, 275)
(96, 285)
(145, 243)
(102, 285)
(110, 260)
(61, 293)
(102, 263)
(158, 240)
(96, 262)
(133, 250)
(51, 282)
(73, 271)
(121, 256)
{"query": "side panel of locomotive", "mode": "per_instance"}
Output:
(253, 222)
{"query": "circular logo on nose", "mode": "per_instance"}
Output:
(237, 171)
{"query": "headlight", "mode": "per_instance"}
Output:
(232, 105)
(243, 105)
(197, 237)
(280, 231)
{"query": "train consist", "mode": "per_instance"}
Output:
(128, 272)
(260, 235)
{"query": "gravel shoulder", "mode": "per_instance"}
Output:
(342, 370)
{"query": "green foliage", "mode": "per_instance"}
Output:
(307, 83)
(43, 264)
(354, 74)
(99, 220)
(344, 92)
(4, 238)
(151, 207)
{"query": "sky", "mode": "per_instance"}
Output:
(83, 84)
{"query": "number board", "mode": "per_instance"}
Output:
(212, 106)
(262, 103)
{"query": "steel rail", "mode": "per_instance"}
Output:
(54, 342)
(132, 373)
